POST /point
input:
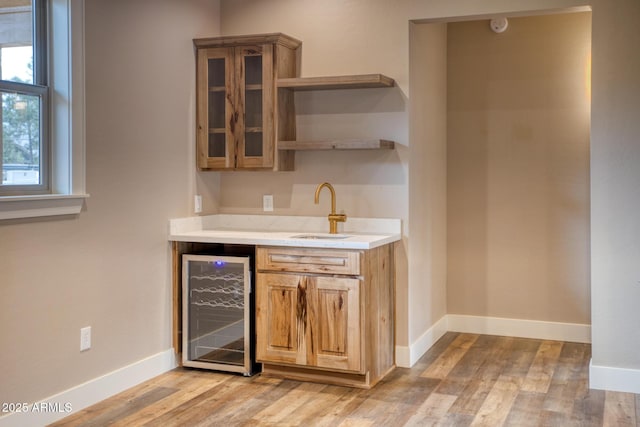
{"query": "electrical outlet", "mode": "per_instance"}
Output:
(197, 203)
(267, 203)
(85, 338)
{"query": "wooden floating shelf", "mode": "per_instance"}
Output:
(337, 82)
(340, 144)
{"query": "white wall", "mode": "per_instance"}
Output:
(615, 180)
(109, 267)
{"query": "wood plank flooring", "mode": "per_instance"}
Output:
(463, 380)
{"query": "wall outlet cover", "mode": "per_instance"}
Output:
(85, 338)
(267, 203)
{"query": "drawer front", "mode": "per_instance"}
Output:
(303, 260)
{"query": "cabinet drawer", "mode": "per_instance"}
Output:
(328, 261)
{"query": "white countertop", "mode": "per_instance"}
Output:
(272, 230)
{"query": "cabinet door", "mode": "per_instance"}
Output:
(335, 324)
(215, 109)
(256, 104)
(281, 317)
(311, 321)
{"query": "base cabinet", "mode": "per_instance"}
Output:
(325, 315)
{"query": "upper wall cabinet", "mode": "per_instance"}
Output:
(240, 114)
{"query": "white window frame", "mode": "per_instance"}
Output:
(67, 146)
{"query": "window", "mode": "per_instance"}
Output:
(23, 88)
(42, 89)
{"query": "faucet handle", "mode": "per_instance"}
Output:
(333, 222)
(338, 217)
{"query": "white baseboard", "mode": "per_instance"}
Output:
(614, 379)
(571, 332)
(63, 404)
(406, 357)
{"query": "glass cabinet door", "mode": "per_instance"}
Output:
(215, 109)
(254, 74)
(235, 107)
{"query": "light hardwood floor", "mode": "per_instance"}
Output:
(463, 380)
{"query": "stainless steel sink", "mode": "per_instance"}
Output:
(320, 236)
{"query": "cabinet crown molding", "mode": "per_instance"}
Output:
(228, 41)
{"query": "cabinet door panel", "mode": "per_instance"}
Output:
(255, 91)
(280, 318)
(215, 109)
(336, 321)
(281, 322)
(332, 318)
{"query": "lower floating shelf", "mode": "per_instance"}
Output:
(358, 81)
(337, 144)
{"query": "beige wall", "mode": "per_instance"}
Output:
(109, 268)
(350, 37)
(344, 37)
(368, 184)
(518, 169)
(427, 175)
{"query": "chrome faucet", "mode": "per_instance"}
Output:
(334, 218)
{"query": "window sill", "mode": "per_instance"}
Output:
(12, 207)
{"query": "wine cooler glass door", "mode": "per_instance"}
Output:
(216, 293)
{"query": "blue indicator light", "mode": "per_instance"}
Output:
(219, 263)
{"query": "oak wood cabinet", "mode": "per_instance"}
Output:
(325, 315)
(239, 116)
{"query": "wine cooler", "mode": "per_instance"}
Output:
(217, 307)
